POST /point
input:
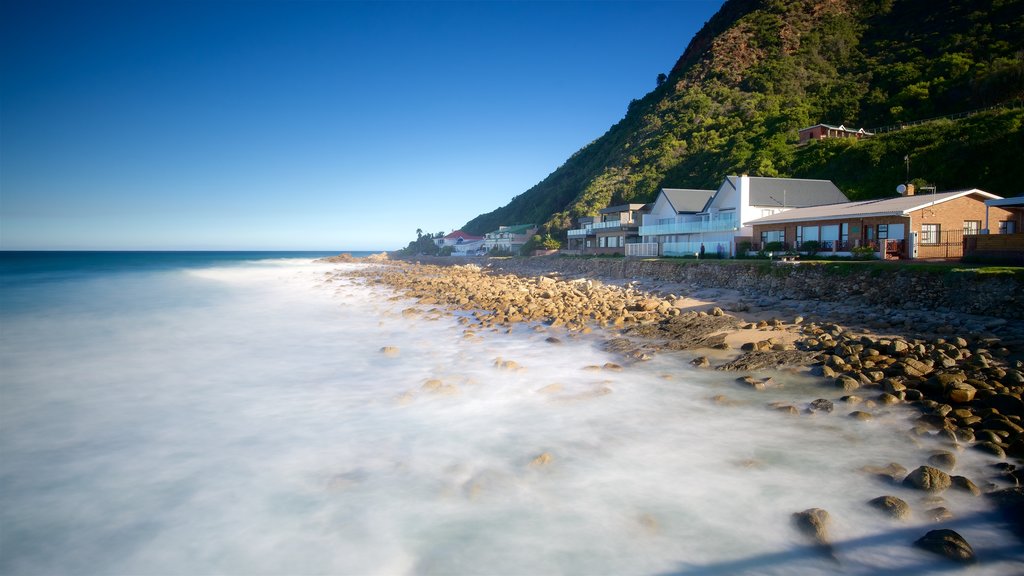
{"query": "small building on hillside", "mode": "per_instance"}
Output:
(824, 131)
(911, 226)
(509, 239)
(718, 224)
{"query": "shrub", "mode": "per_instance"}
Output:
(742, 248)
(863, 253)
(811, 247)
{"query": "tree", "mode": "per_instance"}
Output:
(661, 78)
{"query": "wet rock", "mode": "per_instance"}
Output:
(390, 351)
(701, 362)
(552, 340)
(947, 543)
(892, 506)
(813, 523)
(861, 415)
(543, 459)
(890, 472)
(992, 448)
(928, 479)
(821, 405)
(1010, 502)
(964, 484)
(770, 359)
(944, 460)
(939, 514)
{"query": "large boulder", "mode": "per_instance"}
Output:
(947, 543)
(928, 479)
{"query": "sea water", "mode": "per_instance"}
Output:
(200, 413)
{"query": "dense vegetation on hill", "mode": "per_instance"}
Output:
(761, 69)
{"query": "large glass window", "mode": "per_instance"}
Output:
(972, 226)
(773, 236)
(883, 231)
(929, 233)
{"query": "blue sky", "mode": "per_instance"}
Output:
(303, 124)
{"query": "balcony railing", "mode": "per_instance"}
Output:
(718, 224)
(612, 224)
(579, 232)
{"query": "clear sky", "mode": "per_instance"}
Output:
(307, 124)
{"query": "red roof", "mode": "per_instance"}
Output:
(460, 234)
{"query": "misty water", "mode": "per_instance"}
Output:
(238, 417)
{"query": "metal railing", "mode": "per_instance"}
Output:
(692, 226)
(642, 250)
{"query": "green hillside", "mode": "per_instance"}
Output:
(760, 70)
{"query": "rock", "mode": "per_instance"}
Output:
(1006, 404)
(861, 415)
(944, 459)
(928, 479)
(550, 389)
(890, 472)
(847, 383)
(947, 543)
(751, 382)
(813, 523)
(964, 484)
(716, 311)
(940, 514)
(915, 368)
(390, 351)
(542, 460)
(552, 340)
(892, 506)
(961, 393)
(1010, 502)
(990, 448)
(701, 362)
(821, 405)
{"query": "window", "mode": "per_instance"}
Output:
(929, 233)
(972, 226)
(772, 236)
(844, 234)
(883, 231)
(1007, 227)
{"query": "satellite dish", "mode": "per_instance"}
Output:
(901, 189)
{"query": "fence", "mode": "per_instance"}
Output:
(642, 250)
(893, 127)
(947, 244)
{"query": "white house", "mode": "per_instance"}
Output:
(677, 227)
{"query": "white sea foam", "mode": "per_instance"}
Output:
(245, 421)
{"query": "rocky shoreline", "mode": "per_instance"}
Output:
(967, 389)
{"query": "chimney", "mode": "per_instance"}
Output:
(910, 190)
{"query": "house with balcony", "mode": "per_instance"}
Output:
(609, 232)
(456, 238)
(905, 227)
(675, 227)
(508, 238)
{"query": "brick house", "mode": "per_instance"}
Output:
(910, 226)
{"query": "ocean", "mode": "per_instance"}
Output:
(234, 413)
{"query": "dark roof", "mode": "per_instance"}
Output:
(621, 208)
(687, 200)
(793, 192)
